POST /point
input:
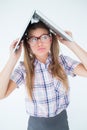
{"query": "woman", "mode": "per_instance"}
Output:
(44, 73)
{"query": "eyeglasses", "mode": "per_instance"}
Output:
(43, 38)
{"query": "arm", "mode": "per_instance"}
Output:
(81, 69)
(6, 85)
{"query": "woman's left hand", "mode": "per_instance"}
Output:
(63, 41)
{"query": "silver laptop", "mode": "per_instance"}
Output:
(38, 16)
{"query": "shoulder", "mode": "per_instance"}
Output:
(68, 62)
(62, 59)
(20, 67)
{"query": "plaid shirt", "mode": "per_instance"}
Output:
(49, 95)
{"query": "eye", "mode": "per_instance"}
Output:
(45, 37)
(33, 39)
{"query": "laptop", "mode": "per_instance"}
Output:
(38, 16)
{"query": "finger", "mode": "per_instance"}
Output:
(68, 32)
(13, 44)
(58, 37)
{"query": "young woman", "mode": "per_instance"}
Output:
(44, 73)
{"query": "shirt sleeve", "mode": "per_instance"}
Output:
(18, 75)
(68, 64)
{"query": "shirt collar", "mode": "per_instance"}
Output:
(48, 61)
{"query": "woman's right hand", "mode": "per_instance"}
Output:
(17, 53)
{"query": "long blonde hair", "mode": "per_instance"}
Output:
(55, 68)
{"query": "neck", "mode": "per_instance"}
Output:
(42, 58)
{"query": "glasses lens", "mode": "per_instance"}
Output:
(33, 40)
(44, 37)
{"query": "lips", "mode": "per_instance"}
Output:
(41, 49)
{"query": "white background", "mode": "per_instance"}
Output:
(69, 15)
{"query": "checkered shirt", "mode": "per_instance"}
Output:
(49, 95)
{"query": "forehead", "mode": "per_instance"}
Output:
(38, 32)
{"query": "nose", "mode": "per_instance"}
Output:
(39, 42)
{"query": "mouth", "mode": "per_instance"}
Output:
(41, 49)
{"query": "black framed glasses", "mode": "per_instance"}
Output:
(43, 38)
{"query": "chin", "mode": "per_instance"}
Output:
(41, 54)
